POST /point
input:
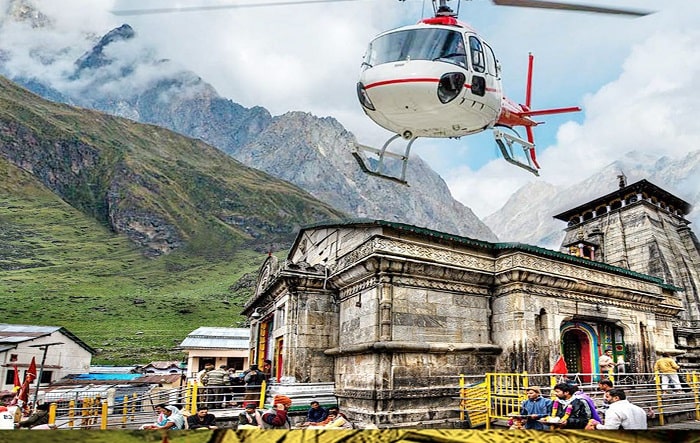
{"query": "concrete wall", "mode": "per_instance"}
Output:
(61, 359)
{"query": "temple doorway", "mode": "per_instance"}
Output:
(577, 347)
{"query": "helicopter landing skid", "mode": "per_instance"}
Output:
(505, 143)
(378, 169)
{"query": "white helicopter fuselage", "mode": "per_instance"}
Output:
(422, 82)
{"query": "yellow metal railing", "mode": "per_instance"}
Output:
(500, 395)
(506, 393)
(473, 403)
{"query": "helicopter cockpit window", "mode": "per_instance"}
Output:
(477, 53)
(417, 44)
(491, 66)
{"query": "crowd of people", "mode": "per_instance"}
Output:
(224, 387)
(568, 408)
(571, 408)
(274, 418)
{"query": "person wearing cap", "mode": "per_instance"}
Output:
(276, 418)
(203, 381)
(250, 418)
(535, 408)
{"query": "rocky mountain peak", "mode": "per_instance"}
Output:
(311, 152)
(96, 57)
(25, 11)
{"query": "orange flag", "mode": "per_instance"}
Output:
(17, 384)
(22, 395)
(31, 372)
(560, 367)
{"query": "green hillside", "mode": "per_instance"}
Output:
(128, 235)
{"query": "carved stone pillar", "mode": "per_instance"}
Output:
(386, 294)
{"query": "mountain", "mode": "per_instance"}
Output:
(527, 216)
(130, 235)
(161, 190)
(120, 75)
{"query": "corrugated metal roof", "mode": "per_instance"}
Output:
(207, 337)
(29, 330)
(102, 369)
(210, 331)
(213, 343)
(159, 378)
(106, 376)
(163, 365)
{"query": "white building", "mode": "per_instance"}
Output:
(219, 346)
(65, 353)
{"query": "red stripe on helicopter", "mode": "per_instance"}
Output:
(415, 80)
(403, 80)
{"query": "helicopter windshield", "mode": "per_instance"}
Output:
(417, 44)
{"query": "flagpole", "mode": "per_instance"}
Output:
(45, 348)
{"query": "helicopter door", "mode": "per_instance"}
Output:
(492, 68)
(476, 53)
(485, 82)
(493, 79)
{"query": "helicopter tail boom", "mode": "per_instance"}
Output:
(549, 111)
(513, 115)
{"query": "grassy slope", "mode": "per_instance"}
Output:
(61, 264)
(189, 183)
(73, 272)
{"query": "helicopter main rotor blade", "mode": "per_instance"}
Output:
(569, 7)
(215, 7)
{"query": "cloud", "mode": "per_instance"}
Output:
(283, 58)
(636, 78)
(649, 107)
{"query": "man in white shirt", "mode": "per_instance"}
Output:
(621, 414)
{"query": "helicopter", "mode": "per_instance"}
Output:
(440, 79)
(437, 78)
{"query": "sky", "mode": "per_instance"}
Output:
(637, 79)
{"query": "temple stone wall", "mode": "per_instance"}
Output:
(392, 314)
(647, 239)
(641, 227)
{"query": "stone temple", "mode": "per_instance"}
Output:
(392, 313)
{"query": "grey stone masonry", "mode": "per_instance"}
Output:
(392, 314)
(641, 227)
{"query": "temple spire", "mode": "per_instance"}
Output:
(622, 179)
